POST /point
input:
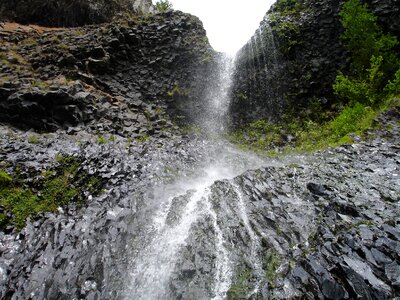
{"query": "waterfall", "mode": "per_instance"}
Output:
(255, 245)
(189, 215)
(153, 268)
(218, 96)
(223, 276)
(186, 247)
(254, 86)
(268, 45)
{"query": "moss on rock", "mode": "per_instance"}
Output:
(64, 184)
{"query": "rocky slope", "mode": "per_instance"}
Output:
(291, 62)
(112, 86)
(323, 226)
(331, 220)
(118, 77)
(141, 211)
(82, 250)
(70, 12)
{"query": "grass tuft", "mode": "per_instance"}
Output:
(56, 187)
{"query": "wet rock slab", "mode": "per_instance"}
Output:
(326, 226)
(79, 252)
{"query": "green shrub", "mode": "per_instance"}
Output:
(101, 140)
(178, 91)
(288, 7)
(393, 87)
(163, 6)
(353, 119)
(21, 202)
(260, 134)
(364, 38)
(374, 60)
(366, 90)
(33, 139)
(241, 287)
(143, 138)
(272, 262)
(263, 137)
(286, 29)
(5, 179)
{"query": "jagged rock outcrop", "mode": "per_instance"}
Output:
(156, 214)
(323, 226)
(83, 251)
(70, 12)
(147, 64)
(388, 14)
(292, 61)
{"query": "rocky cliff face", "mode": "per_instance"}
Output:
(120, 77)
(308, 55)
(323, 226)
(142, 211)
(70, 13)
(113, 92)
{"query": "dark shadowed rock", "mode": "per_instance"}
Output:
(69, 13)
(294, 57)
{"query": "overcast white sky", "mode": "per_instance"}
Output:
(229, 23)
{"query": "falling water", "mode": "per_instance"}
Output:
(185, 247)
(217, 96)
(223, 274)
(260, 60)
(267, 39)
(177, 219)
(151, 272)
(253, 63)
(255, 246)
(261, 51)
(261, 38)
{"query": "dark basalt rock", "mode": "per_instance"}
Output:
(316, 189)
(296, 57)
(316, 233)
(44, 110)
(328, 229)
(69, 13)
(140, 61)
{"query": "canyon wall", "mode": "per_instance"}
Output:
(291, 62)
(121, 76)
(70, 12)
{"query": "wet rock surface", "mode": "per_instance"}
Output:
(79, 105)
(319, 226)
(180, 216)
(308, 56)
(78, 252)
(325, 228)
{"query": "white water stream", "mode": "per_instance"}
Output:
(187, 204)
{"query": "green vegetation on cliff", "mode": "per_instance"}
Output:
(69, 12)
(284, 25)
(59, 186)
(242, 286)
(288, 7)
(304, 134)
(371, 86)
(374, 60)
(365, 39)
(163, 6)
